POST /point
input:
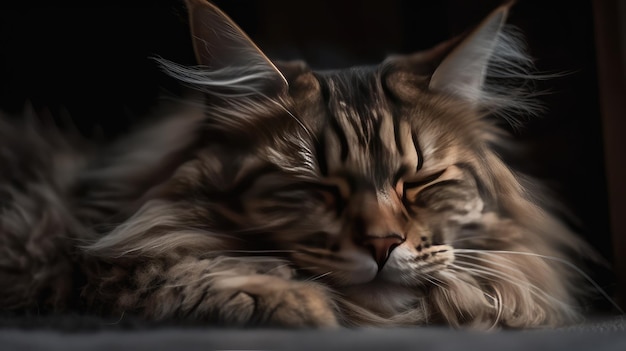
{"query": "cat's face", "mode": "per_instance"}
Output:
(360, 174)
(391, 184)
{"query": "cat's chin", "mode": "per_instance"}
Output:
(383, 297)
(356, 268)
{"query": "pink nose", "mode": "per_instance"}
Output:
(381, 247)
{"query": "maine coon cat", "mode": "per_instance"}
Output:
(282, 196)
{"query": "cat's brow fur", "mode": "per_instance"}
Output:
(285, 196)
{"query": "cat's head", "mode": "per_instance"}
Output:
(380, 175)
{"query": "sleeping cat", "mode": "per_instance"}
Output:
(282, 196)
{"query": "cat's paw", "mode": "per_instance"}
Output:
(271, 301)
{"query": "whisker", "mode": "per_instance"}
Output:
(491, 274)
(450, 276)
(319, 276)
(486, 273)
(495, 252)
(499, 274)
(584, 275)
(496, 301)
(489, 261)
(279, 267)
(452, 242)
(438, 283)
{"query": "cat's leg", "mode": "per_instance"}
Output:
(223, 290)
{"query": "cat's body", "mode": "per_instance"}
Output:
(282, 196)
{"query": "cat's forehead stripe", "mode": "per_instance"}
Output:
(363, 134)
(352, 106)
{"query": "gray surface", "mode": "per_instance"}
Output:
(606, 334)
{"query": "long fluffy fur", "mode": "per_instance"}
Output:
(166, 221)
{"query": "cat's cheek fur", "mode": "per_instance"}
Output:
(409, 267)
(395, 268)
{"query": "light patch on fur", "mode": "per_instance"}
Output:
(155, 230)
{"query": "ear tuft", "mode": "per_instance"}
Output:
(462, 72)
(491, 70)
(230, 63)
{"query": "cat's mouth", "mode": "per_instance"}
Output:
(404, 266)
(413, 268)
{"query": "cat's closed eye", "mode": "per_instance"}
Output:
(408, 189)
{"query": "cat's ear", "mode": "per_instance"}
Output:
(220, 44)
(462, 72)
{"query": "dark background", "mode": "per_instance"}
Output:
(92, 62)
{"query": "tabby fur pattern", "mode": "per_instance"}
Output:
(282, 196)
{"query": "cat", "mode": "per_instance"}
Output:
(282, 196)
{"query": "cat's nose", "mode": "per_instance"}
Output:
(381, 247)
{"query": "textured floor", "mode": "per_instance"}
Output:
(80, 333)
